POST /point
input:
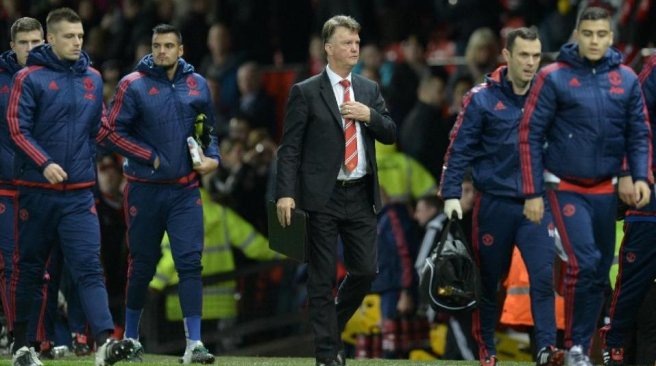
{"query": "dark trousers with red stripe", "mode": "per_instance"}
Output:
(69, 218)
(151, 210)
(586, 223)
(636, 273)
(498, 225)
(41, 325)
(7, 239)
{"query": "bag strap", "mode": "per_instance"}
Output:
(445, 234)
(460, 234)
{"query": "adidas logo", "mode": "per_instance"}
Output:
(574, 82)
(153, 91)
(5, 89)
(53, 85)
(500, 106)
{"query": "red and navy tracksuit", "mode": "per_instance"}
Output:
(152, 116)
(486, 136)
(8, 192)
(638, 251)
(54, 116)
(581, 120)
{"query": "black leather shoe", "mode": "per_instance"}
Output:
(327, 362)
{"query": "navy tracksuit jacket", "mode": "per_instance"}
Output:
(8, 193)
(149, 117)
(486, 137)
(589, 117)
(54, 115)
(638, 251)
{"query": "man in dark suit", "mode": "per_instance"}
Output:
(327, 166)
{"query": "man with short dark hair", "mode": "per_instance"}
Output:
(585, 119)
(327, 166)
(153, 113)
(26, 33)
(54, 116)
(485, 136)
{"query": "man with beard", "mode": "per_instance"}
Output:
(151, 116)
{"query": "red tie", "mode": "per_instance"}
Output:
(351, 146)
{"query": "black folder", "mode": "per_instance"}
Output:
(291, 240)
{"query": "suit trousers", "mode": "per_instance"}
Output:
(349, 213)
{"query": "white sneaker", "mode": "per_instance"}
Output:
(197, 353)
(26, 357)
(576, 357)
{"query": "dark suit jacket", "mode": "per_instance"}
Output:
(312, 149)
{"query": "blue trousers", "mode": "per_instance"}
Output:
(586, 223)
(152, 209)
(69, 218)
(45, 309)
(636, 273)
(7, 238)
(498, 225)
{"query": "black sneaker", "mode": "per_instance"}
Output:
(489, 361)
(550, 356)
(113, 351)
(198, 354)
(25, 357)
(613, 356)
(327, 362)
(46, 350)
(80, 345)
(137, 351)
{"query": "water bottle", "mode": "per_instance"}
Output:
(194, 150)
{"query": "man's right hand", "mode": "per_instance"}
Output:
(534, 209)
(54, 173)
(284, 208)
(451, 206)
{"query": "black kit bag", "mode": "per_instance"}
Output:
(450, 280)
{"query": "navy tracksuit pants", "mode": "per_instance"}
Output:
(586, 223)
(152, 209)
(7, 239)
(69, 218)
(498, 225)
(636, 273)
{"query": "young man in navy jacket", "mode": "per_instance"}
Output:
(638, 252)
(583, 118)
(54, 116)
(26, 33)
(486, 137)
(153, 112)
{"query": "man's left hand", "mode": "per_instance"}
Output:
(355, 111)
(405, 305)
(206, 164)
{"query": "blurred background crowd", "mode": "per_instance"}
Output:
(425, 54)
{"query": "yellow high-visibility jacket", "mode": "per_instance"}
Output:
(401, 177)
(224, 229)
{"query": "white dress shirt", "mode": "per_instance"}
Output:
(361, 169)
